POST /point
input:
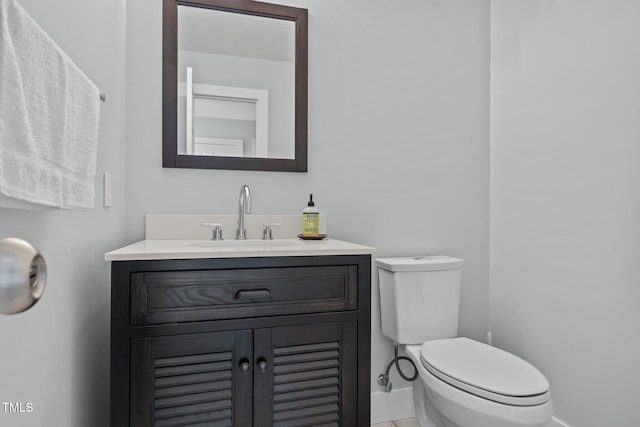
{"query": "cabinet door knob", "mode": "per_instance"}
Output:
(244, 365)
(262, 365)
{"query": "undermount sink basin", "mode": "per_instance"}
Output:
(256, 244)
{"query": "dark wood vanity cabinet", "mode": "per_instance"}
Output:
(244, 342)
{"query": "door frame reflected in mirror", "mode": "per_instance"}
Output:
(170, 156)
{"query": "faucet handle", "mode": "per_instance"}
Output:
(266, 230)
(217, 229)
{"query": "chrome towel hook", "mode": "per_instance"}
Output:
(23, 274)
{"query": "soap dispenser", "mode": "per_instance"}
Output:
(310, 219)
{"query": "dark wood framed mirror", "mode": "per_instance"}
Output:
(234, 85)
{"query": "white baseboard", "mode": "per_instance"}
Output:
(396, 405)
(557, 423)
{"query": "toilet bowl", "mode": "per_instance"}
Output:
(476, 388)
(462, 382)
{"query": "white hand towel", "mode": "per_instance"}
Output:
(49, 115)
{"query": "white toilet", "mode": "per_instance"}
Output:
(462, 383)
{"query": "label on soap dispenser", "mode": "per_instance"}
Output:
(310, 224)
(310, 219)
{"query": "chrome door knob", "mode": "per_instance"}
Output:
(244, 365)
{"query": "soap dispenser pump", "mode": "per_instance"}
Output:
(310, 219)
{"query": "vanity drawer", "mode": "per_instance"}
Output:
(198, 295)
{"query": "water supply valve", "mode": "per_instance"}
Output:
(383, 380)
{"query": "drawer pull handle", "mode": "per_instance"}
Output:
(262, 365)
(244, 365)
(253, 294)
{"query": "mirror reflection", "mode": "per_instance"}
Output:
(236, 84)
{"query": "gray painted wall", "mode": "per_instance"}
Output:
(398, 159)
(56, 355)
(565, 200)
(398, 138)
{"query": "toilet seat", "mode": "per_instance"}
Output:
(485, 371)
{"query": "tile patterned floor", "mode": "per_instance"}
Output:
(409, 422)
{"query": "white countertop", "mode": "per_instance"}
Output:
(189, 249)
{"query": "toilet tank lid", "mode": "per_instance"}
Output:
(420, 263)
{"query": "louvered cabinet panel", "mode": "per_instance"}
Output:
(308, 376)
(191, 380)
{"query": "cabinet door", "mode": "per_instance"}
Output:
(202, 379)
(308, 375)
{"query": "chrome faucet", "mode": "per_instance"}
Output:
(244, 207)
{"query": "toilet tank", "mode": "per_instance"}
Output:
(419, 297)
